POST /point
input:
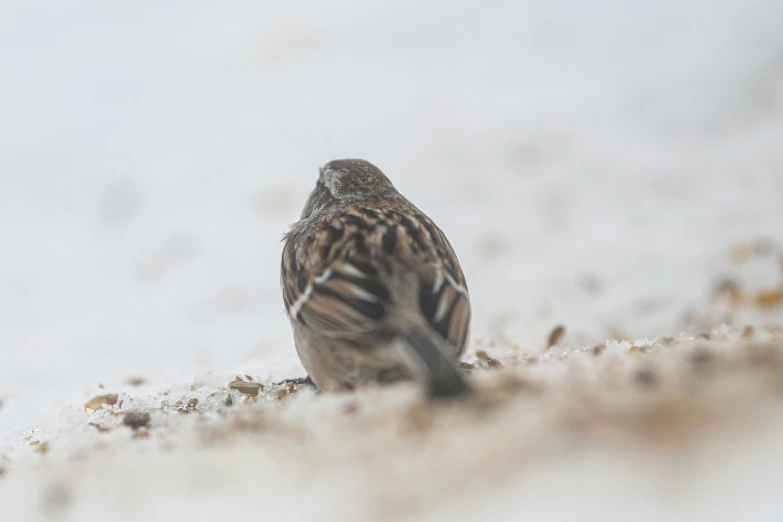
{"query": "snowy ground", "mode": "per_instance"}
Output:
(595, 164)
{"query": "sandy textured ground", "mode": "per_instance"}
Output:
(679, 427)
(675, 428)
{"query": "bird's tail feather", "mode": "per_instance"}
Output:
(425, 351)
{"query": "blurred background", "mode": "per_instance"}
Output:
(592, 163)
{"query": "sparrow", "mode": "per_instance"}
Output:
(372, 286)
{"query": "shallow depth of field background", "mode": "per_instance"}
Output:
(591, 162)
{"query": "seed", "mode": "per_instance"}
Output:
(248, 388)
(555, 336)
(110, 399)
(770, 298)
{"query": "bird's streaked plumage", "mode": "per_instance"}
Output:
(365, 275)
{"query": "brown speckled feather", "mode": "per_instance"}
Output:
(373, 288)
(332, 272)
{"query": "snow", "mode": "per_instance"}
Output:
(592, 163)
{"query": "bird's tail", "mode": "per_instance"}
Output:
(428, 355)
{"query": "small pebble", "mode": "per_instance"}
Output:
(598, 349)
(646, 377)
(99, 427)
(136, 419)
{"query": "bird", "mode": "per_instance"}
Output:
(372, 287)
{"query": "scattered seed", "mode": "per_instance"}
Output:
(141, 433)
(136, 419)
(248, 388)
(482, 355)
(281, 393)
(41, 447)
(187, 407)
(598, 349)
(466, 366)
(494, 363)
(135, 381)
(95, 403)
(99, 427)
(770, 298)
(555, 336)
(748, 332)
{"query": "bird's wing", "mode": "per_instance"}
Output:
(331, 274)
(443, 294)
(331, 283)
